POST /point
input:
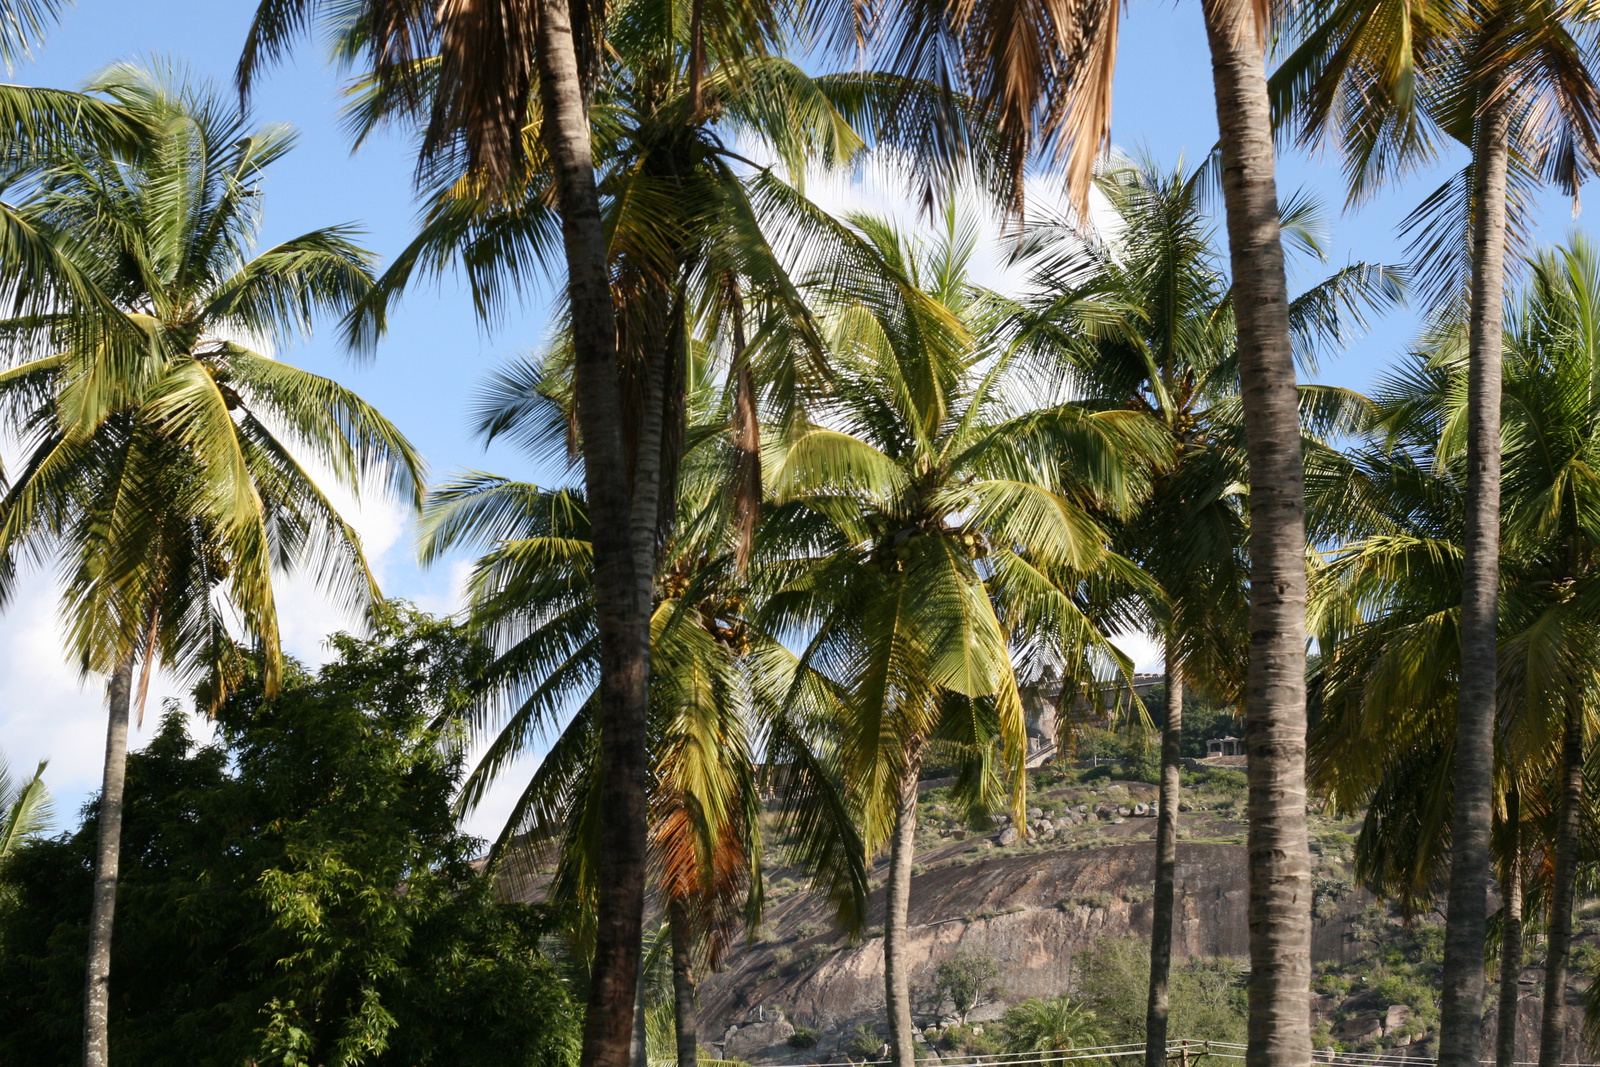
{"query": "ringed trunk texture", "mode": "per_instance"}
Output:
(103, 906)
(1156, 1011)
(1559, 945)
(897, 901)
(1275, 693)
(683, 1006)
(1505, 1043)
(1467, 908)
(623, 617)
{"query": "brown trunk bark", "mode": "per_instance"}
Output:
(683, 1007)
(1505, 1045)
(103, 905)
(1467, 907)
(639, 1048)
(1552, 1028)
(1155, 1026)
(1275, 708)
(897, 902)
(623, 616)
(746, 439)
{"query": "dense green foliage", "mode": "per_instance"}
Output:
(295, 891)
(1208, 995)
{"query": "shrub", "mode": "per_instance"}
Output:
(1143, 766)
(863, 1043)
(966, 1040)
(804, 1037)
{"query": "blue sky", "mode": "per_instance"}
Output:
(425, 373)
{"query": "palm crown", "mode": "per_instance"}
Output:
(166, 457)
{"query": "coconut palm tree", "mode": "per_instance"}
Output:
(924, 527)
(1046, 72)
(494, 58)
(667, 95)
(1393, 611)
(1511, 82)
(1143, 321)
(163, 463)
(716, 685)
(1044, 76)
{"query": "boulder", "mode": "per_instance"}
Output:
(1035, 813)
(1359, 1028)
(1141, 809)
(752, 1041)
(1124, 810)
(1008, 836)
(1395, 1017)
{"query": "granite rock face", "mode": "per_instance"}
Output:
(758, 1040)
(1016, 908)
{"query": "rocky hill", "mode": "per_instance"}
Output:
(1062, 909)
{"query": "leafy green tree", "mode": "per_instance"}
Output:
(966, 980)
(1208, 998)
(926, 521)
(164, 463)
(296, 892)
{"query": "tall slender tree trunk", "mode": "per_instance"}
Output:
(623, 616)
(102, 909)
(896, 903)
(1505, 1043)
(683, 1006)
(639, 1047)
(746, 438)
(1155, 1024)
(1552, 1028)
(1467, 907)
(1275, 692)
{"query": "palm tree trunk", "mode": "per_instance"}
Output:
(896, 903)
(1275, 693)
(1155, 1024)
(623, 618)
(102, 909)
(1505, 1044)
(1467, 908)
(683, 1008)
(1552, 1028)
(639, 1048)
(746, 438)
